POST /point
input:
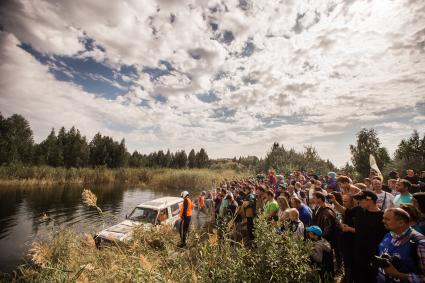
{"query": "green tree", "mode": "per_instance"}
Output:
(410, 153)
(192, 159)
(368, 143)
(202, 160)
(50, 151)
(16, 140)
(180, 159)
(168, 159)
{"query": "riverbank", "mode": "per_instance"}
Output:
(197, 179)
(153, 256)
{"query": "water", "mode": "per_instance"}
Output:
(22, 210)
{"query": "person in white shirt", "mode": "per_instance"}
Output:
(385, 199)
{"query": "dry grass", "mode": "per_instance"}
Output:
(169, 178)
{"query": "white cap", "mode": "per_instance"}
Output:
(184, 194)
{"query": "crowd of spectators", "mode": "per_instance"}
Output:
(368, 230)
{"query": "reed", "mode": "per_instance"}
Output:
(153, 256)
(168, 178)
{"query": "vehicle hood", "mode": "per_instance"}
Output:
(120, 232)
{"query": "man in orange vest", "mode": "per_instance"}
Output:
(185, 215)
(201, 204)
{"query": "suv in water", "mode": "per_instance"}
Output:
(163, 210)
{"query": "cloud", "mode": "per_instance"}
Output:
(241, 73)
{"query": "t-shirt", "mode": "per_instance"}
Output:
(305, 215)
(271, 206)
(387, 197)
(370, 231)
(400, 199)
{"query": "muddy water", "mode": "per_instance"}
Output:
(22, 210)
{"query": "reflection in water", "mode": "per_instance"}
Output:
(22, 210)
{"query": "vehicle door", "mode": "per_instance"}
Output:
(174, 213)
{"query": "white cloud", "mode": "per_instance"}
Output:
(316, 70)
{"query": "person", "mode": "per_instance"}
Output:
(283, 205)
(346, 240)
(305, 213)
(418, 200)
(324, 217)
(413, 179)
(249, 206)
(272, 180)
(392, 183)
(321, 248)
(414, 216)
(368, 183)
(404, 196)
(385, 199)
(201, 205)
(185, 215)
(368, 233)
(271, 208)
(280, 182)
(404, 247)
(260, 199)
(422, 182)
(346, 187)
(293, 223)
(331, 184)
(163, 215)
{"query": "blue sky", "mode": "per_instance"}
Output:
(232, 77)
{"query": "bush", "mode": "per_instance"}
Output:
(273, 258)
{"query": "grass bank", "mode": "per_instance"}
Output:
(165, 178)
(152, 256)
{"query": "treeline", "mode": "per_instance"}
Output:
(410, 154)
(287, 160)
(72, 149)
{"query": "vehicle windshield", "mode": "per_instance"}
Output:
(146, 215)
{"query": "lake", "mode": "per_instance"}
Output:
(22, 210)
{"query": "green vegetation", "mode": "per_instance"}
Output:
(410, 154)
(280, 159)
(153, 256)
(88, 162)
(72, 150)
(198, 179)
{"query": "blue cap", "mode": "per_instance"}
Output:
(315, 230)
(332, 174)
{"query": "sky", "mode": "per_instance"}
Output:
(229, 76)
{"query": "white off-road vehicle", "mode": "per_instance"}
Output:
(163, 210)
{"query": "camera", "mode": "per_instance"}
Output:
(328, 197)
(382, 261)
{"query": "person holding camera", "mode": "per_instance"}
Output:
(402, 251)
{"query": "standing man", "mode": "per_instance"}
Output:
(272, 207)
(185, 215)
(405, 247)
(404, 197)
(306, 215)
(249, 204)
(344, 183)
(201, 204)
(385, 199)
(368, 232)
(413, 179)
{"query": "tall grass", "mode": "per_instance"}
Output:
(164, 178)
(153, 256)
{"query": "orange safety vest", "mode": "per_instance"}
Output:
(189, 208)
(201, 202)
